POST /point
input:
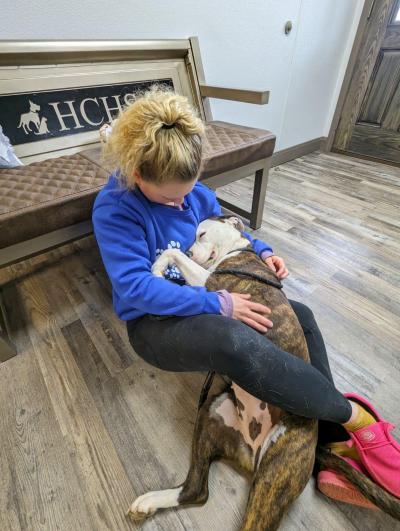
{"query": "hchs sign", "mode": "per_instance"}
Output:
(33, 116)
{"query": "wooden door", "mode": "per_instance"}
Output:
(370, 120)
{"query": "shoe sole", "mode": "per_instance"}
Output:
(342, 490)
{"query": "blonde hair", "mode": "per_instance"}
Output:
(140, 141)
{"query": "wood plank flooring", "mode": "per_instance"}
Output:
(86, 425)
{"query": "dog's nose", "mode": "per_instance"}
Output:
(189, 254)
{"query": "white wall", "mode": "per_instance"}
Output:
(242, 43)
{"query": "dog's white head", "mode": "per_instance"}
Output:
(33, 107)
(215, 237)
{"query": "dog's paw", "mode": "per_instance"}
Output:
(159, 266)
(165, 260)
(147, 504)
(142, 507)
(171, 252)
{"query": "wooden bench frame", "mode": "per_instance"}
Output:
(33, 53)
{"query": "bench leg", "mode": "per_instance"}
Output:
(7, 349)
(259, 191)
(257, 206)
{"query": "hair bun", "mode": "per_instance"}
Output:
(136, 144)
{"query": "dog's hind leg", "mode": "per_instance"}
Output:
(282, 473)
(211, 440)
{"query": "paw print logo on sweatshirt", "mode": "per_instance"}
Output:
(171, 272)
(174, 245)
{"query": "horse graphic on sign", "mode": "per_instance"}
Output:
(33, 117)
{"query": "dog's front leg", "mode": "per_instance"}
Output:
(193, 273)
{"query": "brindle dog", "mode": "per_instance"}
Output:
(275, 448)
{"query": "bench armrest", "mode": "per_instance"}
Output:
(260, 97)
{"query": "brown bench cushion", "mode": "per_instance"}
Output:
(44, 196)
(228, 146)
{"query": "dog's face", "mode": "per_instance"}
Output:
(215, 237)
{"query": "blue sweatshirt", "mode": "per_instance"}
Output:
(132, 232)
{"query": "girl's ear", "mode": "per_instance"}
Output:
(137, 176)
(236, 222)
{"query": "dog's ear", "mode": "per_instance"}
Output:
(236, 222)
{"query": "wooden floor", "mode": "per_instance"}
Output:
(86, 425)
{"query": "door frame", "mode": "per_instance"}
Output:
(370, 8)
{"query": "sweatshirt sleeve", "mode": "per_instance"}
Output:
(126, 257)
(260, 247)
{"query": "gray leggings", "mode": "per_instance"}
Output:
(213, 342)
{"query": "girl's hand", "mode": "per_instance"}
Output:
(277, 264)
(250, 313)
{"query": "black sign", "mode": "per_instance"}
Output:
(31, 116)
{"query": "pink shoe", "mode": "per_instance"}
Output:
(379, 452)
(337, 487)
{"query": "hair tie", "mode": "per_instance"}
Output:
(168, 126)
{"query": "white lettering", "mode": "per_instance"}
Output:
(129, 98)
(109, 109)
(83, 111)
(61, 116)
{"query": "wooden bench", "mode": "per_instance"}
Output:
(54, 96)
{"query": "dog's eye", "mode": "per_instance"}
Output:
(201, 235)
